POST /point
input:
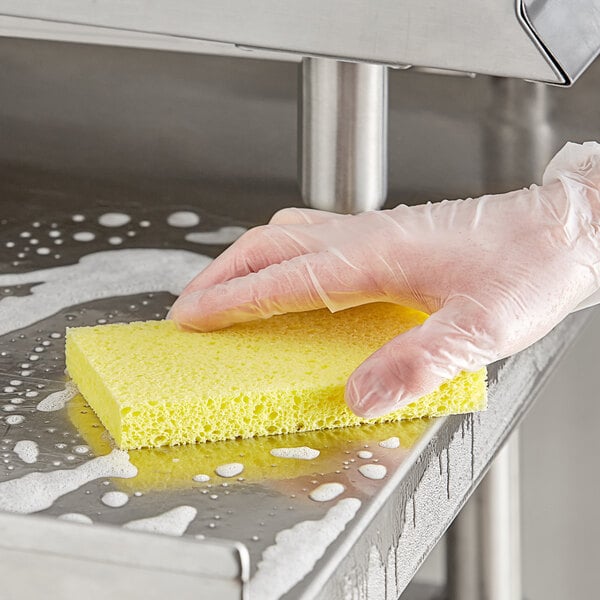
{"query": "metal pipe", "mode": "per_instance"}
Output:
(342, 127)
(484, 541)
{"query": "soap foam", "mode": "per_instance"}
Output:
(224, 235)
(114, 219)
(27, 451)
(183, 218)
(229, 470)
(301, 453)
(75, 518)
(326, 492)
(296, 551)
(392, 442)
(95, 276)
(115, 499)
(14, 419)
(38, 491)
(371, 471)
(57, 400)
(172, 522)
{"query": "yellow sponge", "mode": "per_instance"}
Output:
(174, 467)
(153, 385)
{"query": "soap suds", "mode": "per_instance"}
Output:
(326, 492)
(76, 518)
(14, 419)
(392, 442)
(115, 499)
(114, 219)
(365, 454)
(172, 522)
(229, 470)
(38, 491)
(27, 451)
(201, 478)
(301, 452)
(296, 551)
(84, 236)
(183, 218)
(95, 276)
(223, 235)
(57, 400)
(373, 471)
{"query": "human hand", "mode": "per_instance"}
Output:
(496, 273)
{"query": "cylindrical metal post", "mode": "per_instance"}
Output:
(342, 150)
(484, 542)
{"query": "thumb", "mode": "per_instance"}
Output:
(459, 337)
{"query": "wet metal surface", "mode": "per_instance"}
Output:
(101, 131)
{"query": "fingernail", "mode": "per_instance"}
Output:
(369, 397)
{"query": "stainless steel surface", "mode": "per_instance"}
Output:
(107, 561)
(342, 126)
(94, 130)
(484, 541)
(400, 518)
(548, 41)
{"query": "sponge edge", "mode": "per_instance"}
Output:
(152, 385)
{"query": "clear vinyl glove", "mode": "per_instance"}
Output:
(496, 274)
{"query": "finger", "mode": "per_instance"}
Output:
(256, 249)
(271, 244)
(459, 337)
(303, 283)
(288, 216)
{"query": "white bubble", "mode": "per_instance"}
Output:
(115, 240)
(115, 499)
(371, 471)
(76, 518)
(144, 223)
(84, 236)
(392, 442)
(183, 218)
(54, 234)
(10, 244)
(326, 492)
(43, 250)
(78, 218)
(14, 419)
(224, 235)
(229, 469)
(25, 234)
(114, 219)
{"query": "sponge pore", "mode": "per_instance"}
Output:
(153, 385)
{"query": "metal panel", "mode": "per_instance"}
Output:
(462, 36)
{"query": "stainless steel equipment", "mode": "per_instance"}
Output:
(343, 106)
(346, 47)
(342, 144)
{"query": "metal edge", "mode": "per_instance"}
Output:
(212, 558)
(369, 525)
(525, 21)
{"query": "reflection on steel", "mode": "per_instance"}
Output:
(484, 541)
(342, 148)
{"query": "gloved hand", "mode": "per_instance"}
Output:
(496, 273)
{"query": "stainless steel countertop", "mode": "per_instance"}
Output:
(429, 477)
(400, 518)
